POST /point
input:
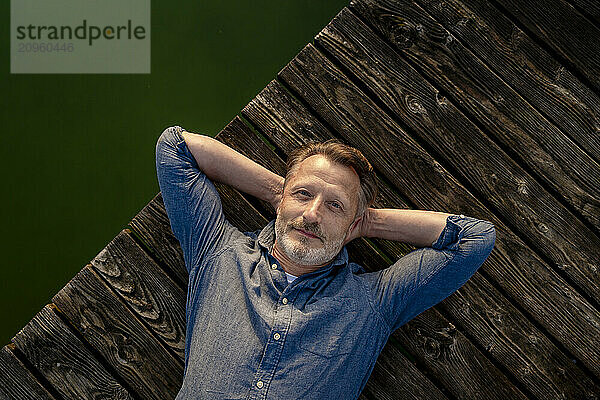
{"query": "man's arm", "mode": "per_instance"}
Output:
(426, 276)
(419, 228)
(223, 164)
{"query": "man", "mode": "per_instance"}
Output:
(281, 313)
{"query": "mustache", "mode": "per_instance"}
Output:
(313, 228)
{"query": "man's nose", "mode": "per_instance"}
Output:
(312, 212)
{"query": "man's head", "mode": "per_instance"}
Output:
(328, 187)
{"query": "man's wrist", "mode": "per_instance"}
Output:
(366, 223)
(276, 191)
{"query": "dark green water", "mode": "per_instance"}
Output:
(78, 150)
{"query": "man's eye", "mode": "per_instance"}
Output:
(303, 192)
(336, 205)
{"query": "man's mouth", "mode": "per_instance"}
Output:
(308, 234)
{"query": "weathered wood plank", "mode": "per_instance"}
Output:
(519, 61)
(512, 265)
(522, 131)
(432, 337)
(16, 381)
(390, 381)
(493, 322)
(550, 22)
(126, 344)
(145, 288)
(589, 8)
(512, 341)
(64, 361)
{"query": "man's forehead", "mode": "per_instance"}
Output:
(319, 169)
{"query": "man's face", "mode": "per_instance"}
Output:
(317, 210)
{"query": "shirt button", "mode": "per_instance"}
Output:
(274, 266)
(276, 336)
(259, 384)
(284, 300)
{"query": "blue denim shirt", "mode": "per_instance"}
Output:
(251, 335)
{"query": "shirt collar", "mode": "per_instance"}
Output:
(266, 238)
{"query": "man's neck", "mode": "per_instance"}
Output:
(291, 267)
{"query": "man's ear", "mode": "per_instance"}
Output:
(353, 225)
(356, 222)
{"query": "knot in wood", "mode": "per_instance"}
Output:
(448, 331)
(463, 22)
(413, 105)
(522, 188)
(432, 348)
(404, 34)
(494, 179)
(525, 371)
(495, 316)
(533, 339)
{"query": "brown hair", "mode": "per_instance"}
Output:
(338, 152)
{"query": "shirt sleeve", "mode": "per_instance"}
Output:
(426, 276)
(191, 200)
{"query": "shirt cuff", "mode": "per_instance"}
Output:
(450, 232)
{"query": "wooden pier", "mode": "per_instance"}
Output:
(485, 108)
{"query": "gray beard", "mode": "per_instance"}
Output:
(301, 253)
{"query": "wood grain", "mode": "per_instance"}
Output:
(151, 225)
(450, 357)
(64, 361)
(145, 288)
(390, 381)
(16, 381)
(519, 62)
(123, 341)
(589, 8)
(558, 25)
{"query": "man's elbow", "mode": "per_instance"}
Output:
(169, 138)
